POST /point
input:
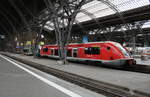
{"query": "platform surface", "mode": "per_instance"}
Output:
(131, 80)
(142, 62)
(17, 82)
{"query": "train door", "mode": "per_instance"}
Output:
(52, 51)
(56, 53)
(75, 52)
(45, 50)
(69, 53)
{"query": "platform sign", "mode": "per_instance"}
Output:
(85, 39)
(41, 43)
(28, 43)
(21, 44)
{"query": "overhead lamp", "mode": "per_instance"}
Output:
(2, 36)
(16, 39)
(140, 35)
(42, 36)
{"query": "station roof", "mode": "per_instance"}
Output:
(14, 14)
(11, 20)
(99, 8)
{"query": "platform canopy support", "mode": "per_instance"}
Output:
(63, 14)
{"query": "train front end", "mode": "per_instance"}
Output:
(125, 56)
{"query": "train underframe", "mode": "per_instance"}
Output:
(111, 63)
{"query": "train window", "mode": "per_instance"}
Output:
(52, 51)
(56, 52)
(75, 52)
(92, 50)
(25, 50)
(45, 50)
(108, 48)
(69, 53)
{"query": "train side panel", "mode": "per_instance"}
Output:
(108, 53)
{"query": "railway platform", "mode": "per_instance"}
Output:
(143, 62)
(20, 80)
(134, 81)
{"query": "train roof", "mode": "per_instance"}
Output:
(85, 43)
(93, 42)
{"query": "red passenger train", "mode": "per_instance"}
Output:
(108, 53)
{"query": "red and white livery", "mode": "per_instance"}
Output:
(108, 53)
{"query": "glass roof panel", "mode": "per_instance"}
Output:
(99, 9)
(80, 14)
(124, 5)
(146, 25)
(82, 17)
(102, 13)
(48, 28)
(96, 9)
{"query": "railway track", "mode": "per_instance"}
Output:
(134, 68)
(138, 68)
(97, 86)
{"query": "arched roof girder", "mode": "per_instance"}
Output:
(5, 29)
(107, 3)
(27, 10)
(91, 15)
(8, 20)
(76, 21)
(10, 15)
(114, 8)
(111, 6)
(20, 14)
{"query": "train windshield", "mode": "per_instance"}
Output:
(123, 50)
